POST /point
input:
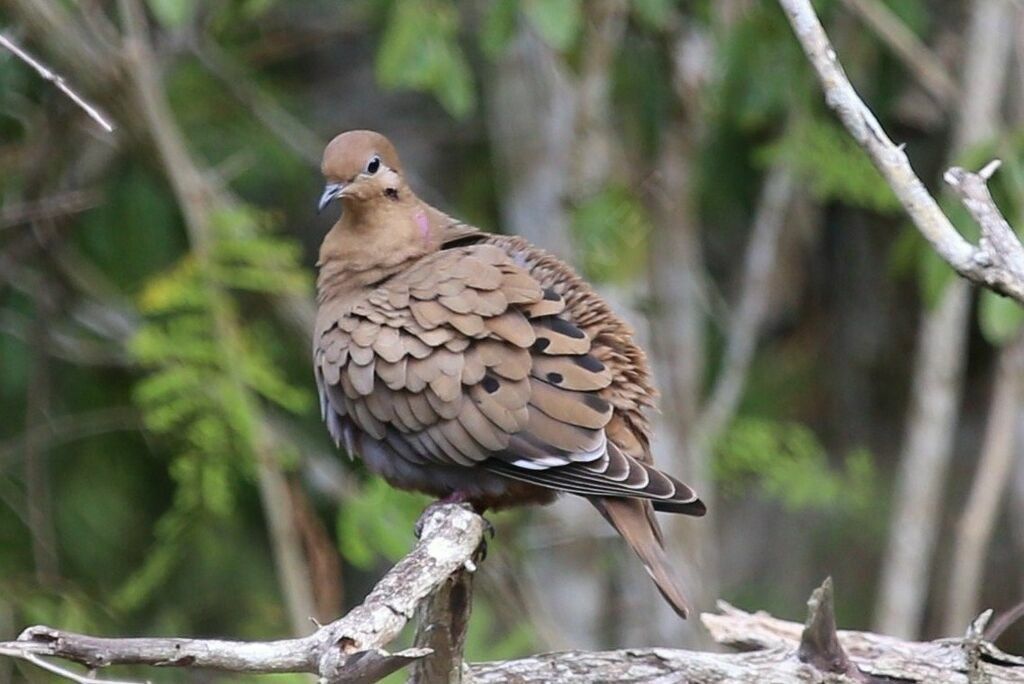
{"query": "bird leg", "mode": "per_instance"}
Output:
(457, 496)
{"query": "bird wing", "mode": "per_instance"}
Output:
(465, 359)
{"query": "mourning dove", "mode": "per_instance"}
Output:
(476, 367)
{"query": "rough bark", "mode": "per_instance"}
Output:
(443, 620)
(348, 649)
(885, 658)
(778, 651)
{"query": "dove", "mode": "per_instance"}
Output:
(476, 367)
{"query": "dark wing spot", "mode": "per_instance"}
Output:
(551, 295)
(491, 384)
(589, 363)
(566, 328)
(540, 344)
(597, 403)
(555, 378)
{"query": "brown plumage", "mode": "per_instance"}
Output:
(477, 367)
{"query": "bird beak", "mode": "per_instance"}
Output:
(331, 191)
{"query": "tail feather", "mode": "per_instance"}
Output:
(634, 520)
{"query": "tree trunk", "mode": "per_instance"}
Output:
(938, 374)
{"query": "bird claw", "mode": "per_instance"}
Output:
(481, 551)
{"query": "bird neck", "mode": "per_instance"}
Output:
(375, 239)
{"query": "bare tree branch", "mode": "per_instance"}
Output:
(351, 648)
(61, 204)
(998, 242)
(747, 316)
(1004, 622)
(36, 461)
(776, 651)
(59, 430)
(348, 649)
(58, 81)
(974, 263)
(880, 657)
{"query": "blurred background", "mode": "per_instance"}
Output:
(843, 403)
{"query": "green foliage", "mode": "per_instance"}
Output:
(498, 26)
(643, 102)
(492, 639)
(610, 230)
(653, 14)
(762, 72)
(1000, 318)
(172, 13)
(788, 463)
(204, 370)
(559, 22)
(419, 50)
(142, 214)
(914, 13)
(377, 524)
(760, 80)
(834, 167)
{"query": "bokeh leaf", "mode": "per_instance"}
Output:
(559, 22)
(420, 50)
(999, 317)
(172, 13)
(498, 26)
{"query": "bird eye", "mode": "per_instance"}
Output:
(373, 165)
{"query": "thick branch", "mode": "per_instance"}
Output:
(876, 655)
(348, 649)
(978, 264)
(443, 623)
(782, 651)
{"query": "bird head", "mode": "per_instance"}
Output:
(360, 167)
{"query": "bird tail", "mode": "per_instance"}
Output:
(634, 520)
